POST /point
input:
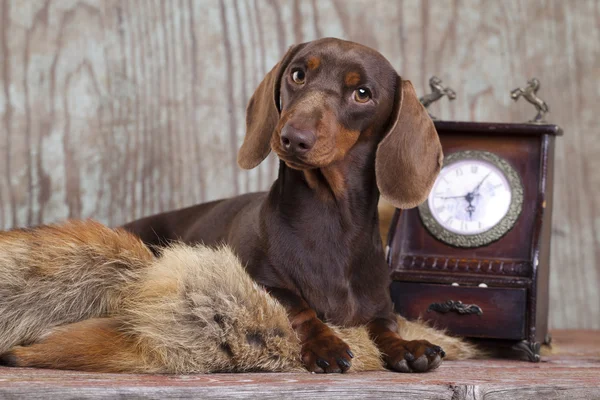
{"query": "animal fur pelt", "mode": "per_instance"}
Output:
(82, 296)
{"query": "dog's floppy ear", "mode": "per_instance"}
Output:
(262, 114)
(410, 156)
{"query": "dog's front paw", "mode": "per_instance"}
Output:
(326, 353)
(413, 356)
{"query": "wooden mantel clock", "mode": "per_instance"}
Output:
(474, 257)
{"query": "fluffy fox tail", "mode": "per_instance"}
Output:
(58, 274)
(83, 296)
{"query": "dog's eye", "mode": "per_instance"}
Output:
(298, 76)
(362, 95)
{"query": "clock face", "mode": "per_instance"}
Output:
(470, 196)
(475, 200)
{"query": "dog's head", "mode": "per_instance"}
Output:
(326, 96)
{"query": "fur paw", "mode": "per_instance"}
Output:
(326, 353)
(414, 356)
(9, 359)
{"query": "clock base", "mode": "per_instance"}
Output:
(530, 349)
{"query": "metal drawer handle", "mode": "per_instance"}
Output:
(456, 306)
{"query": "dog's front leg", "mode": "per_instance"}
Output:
(403, 355)
(322, 350)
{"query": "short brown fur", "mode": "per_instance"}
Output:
(313, 240)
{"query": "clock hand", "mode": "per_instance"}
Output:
(450, 197)
(458, 197)
(480, 183)
(471, 208)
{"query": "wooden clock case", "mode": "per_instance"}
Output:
(502, 287)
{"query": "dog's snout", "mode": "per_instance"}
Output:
(297, 141)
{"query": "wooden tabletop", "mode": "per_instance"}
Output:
(572, 372)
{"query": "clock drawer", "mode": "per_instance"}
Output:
(482, 312)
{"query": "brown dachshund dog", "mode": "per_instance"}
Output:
(346, 128)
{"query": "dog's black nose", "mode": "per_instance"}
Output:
(297, 141)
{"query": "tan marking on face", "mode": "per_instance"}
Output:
(335, 178)
(313, 63)
(345, 139)
(311, 179)
(333, 141)
(319, 182)
(352, 78)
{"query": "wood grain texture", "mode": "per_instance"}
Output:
(119, 109)
(572, 373)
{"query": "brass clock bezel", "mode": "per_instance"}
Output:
(497, 231)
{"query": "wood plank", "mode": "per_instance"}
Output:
(118, 109)
(573, 372)
(482, 377)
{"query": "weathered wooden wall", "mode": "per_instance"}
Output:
(118, 109)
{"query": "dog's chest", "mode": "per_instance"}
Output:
(339, 279)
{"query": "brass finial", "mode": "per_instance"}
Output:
(529, 93)
(437, 92)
